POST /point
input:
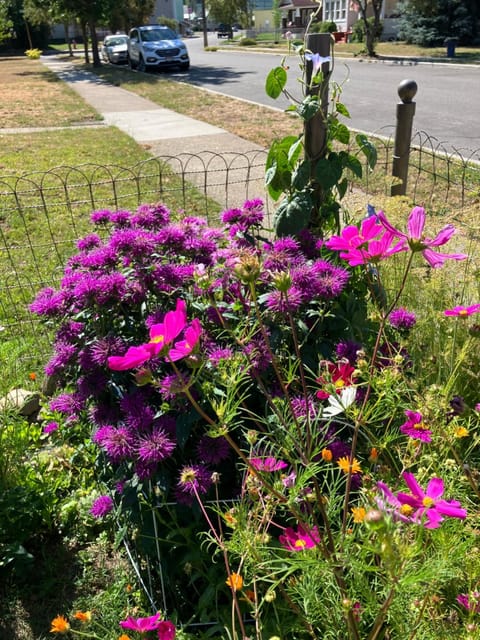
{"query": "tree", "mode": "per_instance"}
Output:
(372, 27)
(6, 24)
(225, 11)
(428, 22)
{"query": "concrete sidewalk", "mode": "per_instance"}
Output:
(226, 167)
(166, 131)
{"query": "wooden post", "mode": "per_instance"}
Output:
(315, 130)
(403, 135)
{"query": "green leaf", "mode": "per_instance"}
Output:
(340, 132)
(342, 188)
(279, 167)
(355, 166)
(301, 175)
(342, 110)
(295, 151)
(293, 215)
(368, 149)
(275, 82)
(328, 171)
(308, 108)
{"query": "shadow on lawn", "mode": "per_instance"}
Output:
(32, 596)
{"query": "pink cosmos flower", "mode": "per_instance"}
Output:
(376, 251)
(161, 335)
(418, 242)
(268, 464)
(142, 625)
(429, 504)
(166, 630)
(415, 428)
(463, 312)
(352, 237)
(299, 540)
(471, 602)
(183, 348)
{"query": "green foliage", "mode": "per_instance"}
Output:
(312, 187)
(428, 24)
(168, 22)
(247, 42)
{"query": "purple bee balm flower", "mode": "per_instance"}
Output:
(117, 442)
(89, 242)
(194, 480)
(151, 216)
(402, 319)
(415, 427)
(50, 427)
(348, 350)
(48, 302)
(213, 450)
(418, 242)
(288, 302)
(102, 216)
(301, 539)
(142, 625)
(268, 464)
(330, 280)
(155, 446)
(101, 507)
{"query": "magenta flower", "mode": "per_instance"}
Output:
(418, 242)
(166, 630)
(142, 625)
(463, 312)
(402, 319)
(471, 602)
(268, 464)
(50, 427)
(429, 504)
(415, 428)
(101, 506)
(299, 540)
(352, 237)
(183, 348)
(135, 357)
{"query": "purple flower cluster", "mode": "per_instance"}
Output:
(123, 280)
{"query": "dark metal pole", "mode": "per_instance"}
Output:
(403, 135)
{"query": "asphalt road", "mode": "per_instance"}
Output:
(447, 101)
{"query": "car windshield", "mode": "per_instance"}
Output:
(115, 42)
(153, 35)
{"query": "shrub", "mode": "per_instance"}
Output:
(33, 54)
(247, 42)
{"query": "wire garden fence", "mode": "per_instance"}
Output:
(43, 214)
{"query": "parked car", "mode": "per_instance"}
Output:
(225, 31)
(155, 47)
(115, 49)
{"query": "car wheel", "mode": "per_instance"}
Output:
(185, 66)
(141, 65)
(130, 63)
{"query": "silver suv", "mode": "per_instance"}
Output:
(156, 46)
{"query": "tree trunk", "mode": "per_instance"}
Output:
(85, 40)
(93, 35)
(66, 28)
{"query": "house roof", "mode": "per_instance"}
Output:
(298, 4)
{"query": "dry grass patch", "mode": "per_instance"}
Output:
(33, 96)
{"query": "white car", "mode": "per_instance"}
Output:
(156, 47)
(115, 49)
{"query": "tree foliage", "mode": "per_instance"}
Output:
(372, 26)
(429, 22)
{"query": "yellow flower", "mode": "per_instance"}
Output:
(83, 616)
(59, 625)
(235, 581)
(359, 514)
(461, 432)
(124, 637)
(346, 467)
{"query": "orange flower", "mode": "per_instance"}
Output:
(346, 467)
(359, 514)
(83, 616)
(373, 457)
(32, 375)
(123, 637)
(327, 455)
(235, 581)
(59, 625)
